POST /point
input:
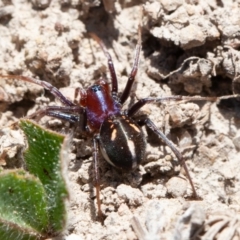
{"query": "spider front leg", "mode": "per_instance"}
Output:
(131, 78)
(110, 64)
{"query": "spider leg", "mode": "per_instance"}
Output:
(70, 114)
(170, 144)
(131, 79)
(110, 64)
(45, 85)
(140, 103)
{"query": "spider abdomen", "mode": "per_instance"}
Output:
(122, 142)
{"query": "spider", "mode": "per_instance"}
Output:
(117, 133)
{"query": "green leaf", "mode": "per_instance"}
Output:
(44, 159)
(23, 206)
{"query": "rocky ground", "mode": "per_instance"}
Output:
(188, 48)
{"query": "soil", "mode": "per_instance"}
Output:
(188, 48)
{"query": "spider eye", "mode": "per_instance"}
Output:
(96, 88)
